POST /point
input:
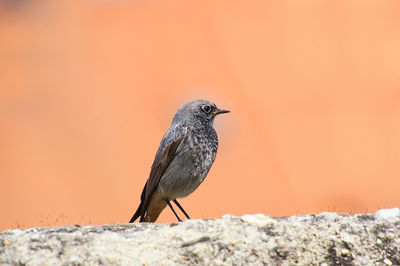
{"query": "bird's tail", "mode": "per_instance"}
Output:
(137, 213)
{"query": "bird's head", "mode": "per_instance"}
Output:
(200, 110)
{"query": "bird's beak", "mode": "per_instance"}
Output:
(219, 111)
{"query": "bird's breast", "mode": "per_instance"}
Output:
(203, 148)
(188, 169)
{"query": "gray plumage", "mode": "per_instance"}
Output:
(183, 159)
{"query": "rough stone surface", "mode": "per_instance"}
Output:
(324, 239)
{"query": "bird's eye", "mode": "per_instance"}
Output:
(207, 108)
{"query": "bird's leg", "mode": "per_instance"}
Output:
(169, 204)
(180, 207)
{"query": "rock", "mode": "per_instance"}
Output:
(388, 213)
(324, 239)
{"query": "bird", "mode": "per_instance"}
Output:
(182, 161)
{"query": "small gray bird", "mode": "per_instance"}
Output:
(183, 159)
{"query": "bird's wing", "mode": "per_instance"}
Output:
(164, 156)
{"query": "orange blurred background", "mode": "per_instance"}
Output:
(87, 89)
